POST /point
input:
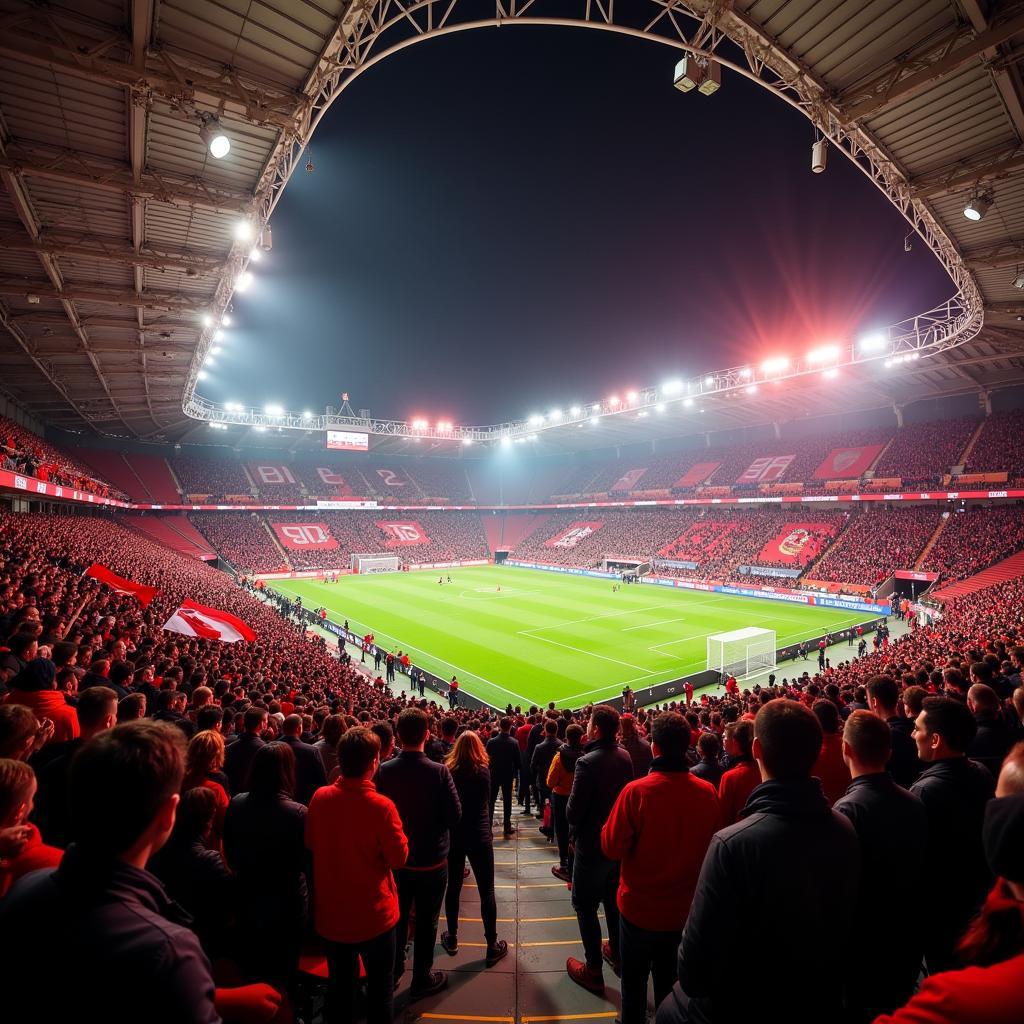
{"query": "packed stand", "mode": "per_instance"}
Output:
(922, 453)
(973, 540)
(217, 478)
(241, 538)
(875, 543)
(1000, 446)
(23, 452)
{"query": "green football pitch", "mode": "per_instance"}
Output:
(547, 636)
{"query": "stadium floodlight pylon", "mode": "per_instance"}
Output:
(742, 652)
(363, 564)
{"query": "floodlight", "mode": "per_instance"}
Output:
(614, 400)
(233, 406)
(225, 321)
(467, 441)
(273, 409)
(709, 382)
(216, 350)
(243, 282)
(746, 372)
(687, 402)
(631, 397)
(574, 411)
(243, 230)
(873, 342)
(255, 254)
(978, 206)
(672, 387)
(775, 365)
(555, 415)
(207, 320)
(596, 407)
(307, 415)
(819, 156)
(202, 375)
(536, 420)
(218, 335)
(751, 389)
(214, 138)
(824, 354)
(208, 361)
(1018, 281)
(505, 440)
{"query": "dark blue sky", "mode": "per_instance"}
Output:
(503, 221)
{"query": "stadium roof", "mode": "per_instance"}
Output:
(118, 226)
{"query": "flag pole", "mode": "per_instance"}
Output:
(78, 611)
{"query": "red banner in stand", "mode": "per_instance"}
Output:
(697, 474)
(797, 543)
(573, 535)
(305, 536)
(848, 462)
(407, 533)
(270, 475)
(139, 591)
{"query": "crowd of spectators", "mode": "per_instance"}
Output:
(974, 539)
(174, 788)
(875, 543)
(922, 453)
(215, 477)
(1000, 446)
(23, 452)
(241, 538)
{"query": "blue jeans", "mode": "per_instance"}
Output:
(644, 953)
(595, 881)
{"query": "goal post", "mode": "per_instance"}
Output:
(376, 563)
(743, 652)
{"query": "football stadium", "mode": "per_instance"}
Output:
(524, 529)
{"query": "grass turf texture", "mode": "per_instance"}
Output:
(547, 636)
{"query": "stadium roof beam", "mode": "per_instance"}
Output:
(112, 251)
(1003, 254)
(964, 176)
(1004, 75)
(85, 170)
(168, 301)
(910, 76)
(75, 45)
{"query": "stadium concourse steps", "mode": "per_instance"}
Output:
(1008, 569)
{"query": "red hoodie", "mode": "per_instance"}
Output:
(35, 854)
(663, 811)
(734, 788)
(49, 704)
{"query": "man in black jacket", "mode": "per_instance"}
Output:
(993, 739)
(424, 793)
(543, 755)
(883, 701)
(100, 913)
(506, 762)
(601, 774)
(954, 790)
(309, 765)
(238, 755)
(788, 872)
(892, 827)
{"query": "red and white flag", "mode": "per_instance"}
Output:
(140, 591)
(208, 624)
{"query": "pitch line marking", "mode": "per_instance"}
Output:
(651, 625)
(594, 618)
(589, 654)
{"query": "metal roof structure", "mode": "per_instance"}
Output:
(118, 252)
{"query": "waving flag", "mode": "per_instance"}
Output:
(117, 583)
(193, 619)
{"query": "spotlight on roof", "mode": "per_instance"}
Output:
(1018, 281)
(207, 320)
(873, 342)
(216, 350)
(218, 335)
(575, 411)
(243, 282)
(555, 415)
(746, 372)
(775, 365)
(614, 400)
(688, 402)
(307, 415)
(819, 156)
(631, 397)
(233, 406)
(823, 354)
(535, 419)
(672, 387)
(273, 409)
(467, 441)
(213, 137)
(978, 206)
(225, 321)
(243, 230)
(660, 407)
(208, 361)
(202, 375)
(709, 382)
(697, 73)
(255, 254)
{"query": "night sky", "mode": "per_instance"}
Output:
(505, 221)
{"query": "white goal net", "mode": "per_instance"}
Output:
(743, 652)
(376, 563)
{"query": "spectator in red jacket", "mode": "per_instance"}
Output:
(36, 687)
(668, 809)
(830, 767)
(739, 781)
(356, 839)
(17, 790)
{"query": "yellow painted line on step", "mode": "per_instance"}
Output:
(461, 1016)
(553, 942)
(480, 945)
(542, 885)
(603, 1015)
(538, 920)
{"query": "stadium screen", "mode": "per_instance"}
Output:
(348, 440)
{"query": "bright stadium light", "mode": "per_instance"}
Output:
(225, 321)
(243, 282)
(596, 407)
(751, 389)
(688, 402)
(467, 441)
(978, 206)
(216, 350)
(259, 428)
(660, 407)
(555, 415)
(505, 441)
(831, 373)
(575, 411)
(306, 414)
(595, 420)
(874, 342)
(672, 387)
(202, 375)
(214, 138)
(823, 354)
(709, 382)
(255, 254)
(243, 230)
(233, 406)
(614, 400)
(775, 365)
(218, 335)
(631, 397)
(273, 409)
(207, 320)
(746, 372)
(536, 420)
(444, 427)
(208, 361)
